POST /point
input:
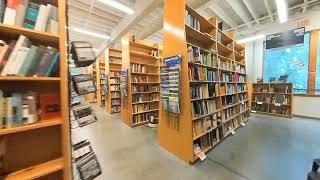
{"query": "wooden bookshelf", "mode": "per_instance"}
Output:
(143, 82)
(100, 77)
(272, 98)
(40, 150)
(113, 61)
(220, 56)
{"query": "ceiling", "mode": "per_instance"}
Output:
(242, 16)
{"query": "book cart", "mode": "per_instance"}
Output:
(213, 92)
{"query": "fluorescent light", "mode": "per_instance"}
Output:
(90, 33)
(282, 11)
(245, 40)
(118, 6)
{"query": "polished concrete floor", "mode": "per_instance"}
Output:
(267, 148)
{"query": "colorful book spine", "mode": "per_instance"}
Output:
(31, 15)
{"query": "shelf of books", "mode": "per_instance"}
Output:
(34, 111)
(214, 99)
(100, 77)
(92, 97)
(141, 63)
(113, 60)
(272, 98)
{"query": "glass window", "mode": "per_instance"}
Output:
(292, 61)
(318, 68)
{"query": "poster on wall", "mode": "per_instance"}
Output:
(170, 84)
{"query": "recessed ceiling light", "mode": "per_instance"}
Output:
(118, 6)
(282, 11)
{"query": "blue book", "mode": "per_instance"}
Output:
(31, 15)
(53, 67)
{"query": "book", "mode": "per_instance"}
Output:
(30, 114)
(31, 15)
(45, 61)
(18, 61)
(49, 106)
(54, 66)
(22, 42)
(4, 60)
(9, 118)
(42, 19)
(16, 109)
(2, 9)
(21, 12)
(9, 16)
(53, 26)
(3, 49)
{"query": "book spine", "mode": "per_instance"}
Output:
(31, 16)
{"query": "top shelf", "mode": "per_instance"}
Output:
(141, 45)
(15, 31)
(206, 26)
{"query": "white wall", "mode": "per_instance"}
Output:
(304, 106)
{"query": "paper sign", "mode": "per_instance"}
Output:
(242, 124)
(231, 131)
(277, 104)
(259, 102)
(253, 111)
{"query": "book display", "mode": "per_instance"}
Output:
(113, 61)
(141, 66)
(214, 99)
(272, 98)
(34, 108)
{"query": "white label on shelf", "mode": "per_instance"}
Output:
(231, 130)
(259, 102)
(277, 104)
(242, 102)
(242, 124)
(253, 111)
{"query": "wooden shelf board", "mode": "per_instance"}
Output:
(140, 123)
(113, 84)
(116, 57)
(200, 99)
(202, 65)
(37, 171)
(260, 93)
(204, 133)
(145, 82)
(28, 79)
(145, 102)
(151, 92)
(222, 49)
(273, 114)
(147, 74)
(40, 124)
(224, 58)
(116, 77)
(203, 82)
(138, 54)
(118, 64)
(241, 112)
(203, 116)
(231, 118)
(153, 110)
(281, 93)
(141, 45)
(228, 82)
(197, 35)
(238, 56)
(238, 47)
(116, 70)
(205, 24)
(33, 34)
(229, 106)
(115, 98)
(225, 38)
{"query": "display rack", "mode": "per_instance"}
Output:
(214, 99)
(272, 98)
(100, 77)
(113, 61)
(40, 150)
(141, 68)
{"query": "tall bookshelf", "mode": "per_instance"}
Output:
(100, 77)
(222, 81)
(272, 98)
(143, 66)
(39, 150)
(113, 61)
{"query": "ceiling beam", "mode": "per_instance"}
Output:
(304, 7)
(142, 8)
(251, 10)
(267, 5)
(238, 9)
(222, 15)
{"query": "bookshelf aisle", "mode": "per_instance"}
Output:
(100, 77)
(142, 64)
(34, 69)
(113, 61)
(215, 101)
(272, 98)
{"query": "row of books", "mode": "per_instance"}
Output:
(200, 108)
(21, 58)
(115, 94)
(114, 74)
(280, 110)
(116, 102)
(243, 97)
(115, 88)
(261, 88)
(114, 81)
(229, 100)
(205, 142)
(17, 109)
(240, 68)
(144, 97)
(262, 98)
(241, 87)
(226, 65)
(226, 89)
(281, 89)
(191, 21)
(139, 78)
(138, 68)
(281, 99)
(204, 90)
(219, 39)
(201, 74)
(115, 109)
(30, 14)
(140, 118)
(203, 125)
(226, 114)
(195, 55)
(243, 107)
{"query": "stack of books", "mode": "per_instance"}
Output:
(30, 14)
(200, 108)
(21, 58)
(191, 21)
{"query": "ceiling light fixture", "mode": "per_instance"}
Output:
(256, 37)
(118, 6)
(90, 33)
(282, 11)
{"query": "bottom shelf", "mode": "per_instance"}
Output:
(37, 171)
(140, 123)
(273, 114)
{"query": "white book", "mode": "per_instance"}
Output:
(53, 12)
(20, 14)
(41, 23)
(20, 43)
(9, 16)
(53, 27)
(19, 60)
(3, 51)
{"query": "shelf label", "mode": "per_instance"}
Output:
(253, 111)
(242, 124)
(259, 103)
(277, 104)
(242, 102)
(231, 130)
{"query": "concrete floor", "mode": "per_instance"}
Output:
(267, 148)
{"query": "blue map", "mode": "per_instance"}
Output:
(292, 61)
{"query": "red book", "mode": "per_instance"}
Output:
(13, 4)
(49, 106)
